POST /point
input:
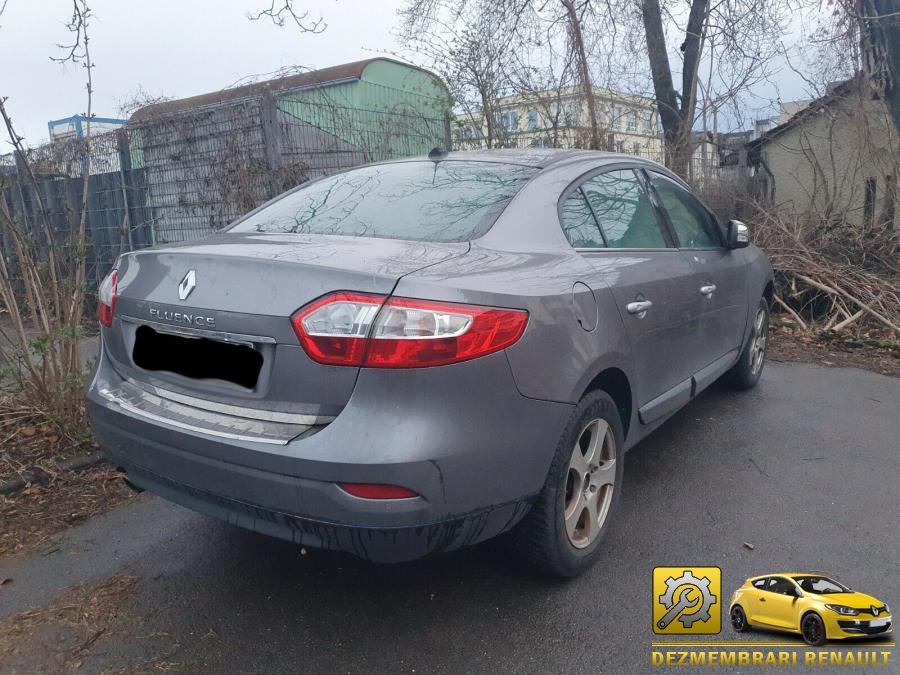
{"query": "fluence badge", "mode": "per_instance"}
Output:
(686, 600)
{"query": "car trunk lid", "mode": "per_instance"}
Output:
(211, 320)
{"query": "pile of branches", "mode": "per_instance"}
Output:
(832, 274)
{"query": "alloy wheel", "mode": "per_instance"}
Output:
(737, 619)
(590, 481)
(760, 338)
(812, 629)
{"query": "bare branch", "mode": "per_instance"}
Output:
(284, 11)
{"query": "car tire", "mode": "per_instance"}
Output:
(559, 535)
(747, 371)
(812, 628)
(739, 620)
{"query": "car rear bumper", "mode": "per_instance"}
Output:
(461, 436)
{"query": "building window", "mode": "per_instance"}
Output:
(636, 148)
(632, 121)
(869, 201)
(614, 113)
(511, 121)
(532, 119)
(570, 113)
(648, 121)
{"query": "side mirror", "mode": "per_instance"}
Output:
(799, 592)
(736, 235)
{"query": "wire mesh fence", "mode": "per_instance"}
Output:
(181, 177)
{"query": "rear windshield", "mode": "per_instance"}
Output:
(447, 201)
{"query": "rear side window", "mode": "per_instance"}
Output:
(761, 583)
(579, 224)
(448, 201)
(623, 210)
(692, 222)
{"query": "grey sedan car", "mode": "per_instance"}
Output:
(414, 356)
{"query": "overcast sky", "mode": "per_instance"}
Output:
(175, 47)
(178, 48)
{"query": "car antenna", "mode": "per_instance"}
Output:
(437, 156)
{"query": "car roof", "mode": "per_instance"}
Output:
(791, 574)
(539, 158)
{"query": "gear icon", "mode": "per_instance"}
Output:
(688, 579)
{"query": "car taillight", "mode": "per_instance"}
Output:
(377, 491)
(359, 329)
(106, 297)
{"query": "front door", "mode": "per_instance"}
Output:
(720, 281)
(609, 219)
(777, 605)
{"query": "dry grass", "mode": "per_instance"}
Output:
(80, 618)
(30, 518)
(869, 350)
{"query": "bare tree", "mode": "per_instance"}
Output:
(745, 33)
(43, 277)
(470, 52)
(876, 24)
(509, 22)
(574, 19)
(543, 73)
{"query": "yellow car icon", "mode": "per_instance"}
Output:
(808, 603)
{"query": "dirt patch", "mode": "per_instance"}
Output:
(875, 352)
(29, 518)
(33, 452)
(92, 628)
(89, 627)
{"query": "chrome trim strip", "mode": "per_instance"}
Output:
(125, 405)
(200, 332)
(233, 410)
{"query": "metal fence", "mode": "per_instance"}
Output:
(181, 177)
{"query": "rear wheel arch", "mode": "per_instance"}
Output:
(615, 382)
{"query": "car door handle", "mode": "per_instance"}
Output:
(638, 307)
(762, 599)
(708, 289)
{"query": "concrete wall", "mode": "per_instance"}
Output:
(821, 165)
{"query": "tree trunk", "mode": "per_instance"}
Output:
(583, 70)
(879, 23)
(677, 119)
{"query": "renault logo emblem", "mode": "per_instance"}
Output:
(187, 285)
(875, 610)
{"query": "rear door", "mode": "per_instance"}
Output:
(719, 282)
(609, 219)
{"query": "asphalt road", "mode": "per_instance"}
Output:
(805, 467)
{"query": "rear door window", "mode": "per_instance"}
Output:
(448, 201)
(579, 224)
(624, 211)
(693, 224)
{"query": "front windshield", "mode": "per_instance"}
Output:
(448, 202)
(820, 585)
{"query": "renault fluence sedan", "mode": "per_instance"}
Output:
(414, 356)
